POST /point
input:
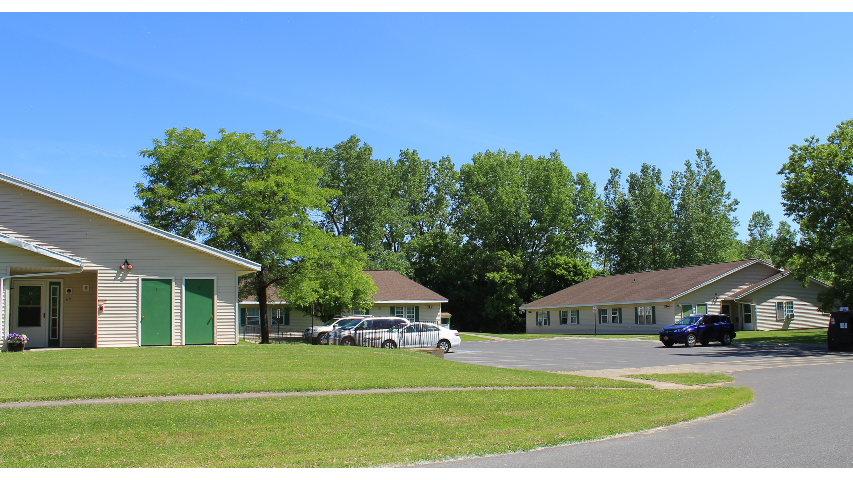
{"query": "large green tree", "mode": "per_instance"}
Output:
(817, 189)
(250, 196)
(704, 214)
(760, 239)
(637, 223)
(517, 212)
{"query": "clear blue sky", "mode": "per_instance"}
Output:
(81, 94)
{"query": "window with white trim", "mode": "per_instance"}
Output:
(564, 317)
(784, 310)
(645, 315)
(253, 316)
(609, 315)
(576, 315)
(277, 316)
(543, 318)
(405, 312)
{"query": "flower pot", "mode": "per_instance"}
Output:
(16, 347)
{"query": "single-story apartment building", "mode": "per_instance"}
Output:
(75, 275)
(396, 296)
(755, 294)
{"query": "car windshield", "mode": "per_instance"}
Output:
(351, 323)
(689, 320)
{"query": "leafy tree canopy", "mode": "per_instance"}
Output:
(253, 197)
(817, 189)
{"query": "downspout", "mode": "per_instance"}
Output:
(7, 319)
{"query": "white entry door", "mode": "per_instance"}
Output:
(29, 311)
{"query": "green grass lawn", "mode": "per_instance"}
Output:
(127, 372)
(472, 338)
(328, 431)
(686, 378)
(777, 337)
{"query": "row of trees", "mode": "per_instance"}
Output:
(498, 232)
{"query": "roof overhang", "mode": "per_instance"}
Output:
(398, 302)
(384, 302)
(16, 242)
(603, 304)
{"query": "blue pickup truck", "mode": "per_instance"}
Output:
(699, 328)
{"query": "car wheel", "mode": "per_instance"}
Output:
(389, 344)
(323, 339)
(668, 344)
(444, 345)
(691, 340)
(726, 340)
(348, 341)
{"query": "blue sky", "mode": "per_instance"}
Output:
(82, 93)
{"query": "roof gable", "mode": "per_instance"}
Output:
(656, 285)
(768, 281)
(391, 287)
(248, 264)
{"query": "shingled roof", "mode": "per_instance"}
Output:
(391, 287)
(395, 287)
(655, 285)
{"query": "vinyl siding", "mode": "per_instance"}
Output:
(103, 244)
(724, 287)
(665, 313)
(588, 321)
(806, 313)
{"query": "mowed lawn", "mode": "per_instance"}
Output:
(325, 431)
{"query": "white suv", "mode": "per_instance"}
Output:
(319, 335)
(364, 331)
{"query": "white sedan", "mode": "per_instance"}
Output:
(419, 334)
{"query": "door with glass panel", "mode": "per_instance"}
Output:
(30, 307)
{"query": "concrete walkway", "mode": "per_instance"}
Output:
(609, 374)
(237, 396)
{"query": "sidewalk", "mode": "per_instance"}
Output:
(610, 374)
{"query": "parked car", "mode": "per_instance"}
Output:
(363, 331)
(699, 328)
(319, 335)
(420, 334)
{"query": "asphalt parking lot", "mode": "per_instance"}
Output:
(564, 354)
(802, 415)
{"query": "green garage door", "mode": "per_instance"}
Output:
(156, 322)
(198, 311)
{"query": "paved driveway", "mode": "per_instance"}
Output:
(802, 415)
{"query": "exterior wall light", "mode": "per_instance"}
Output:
(125, 265)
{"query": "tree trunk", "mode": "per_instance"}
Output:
(262, 305)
